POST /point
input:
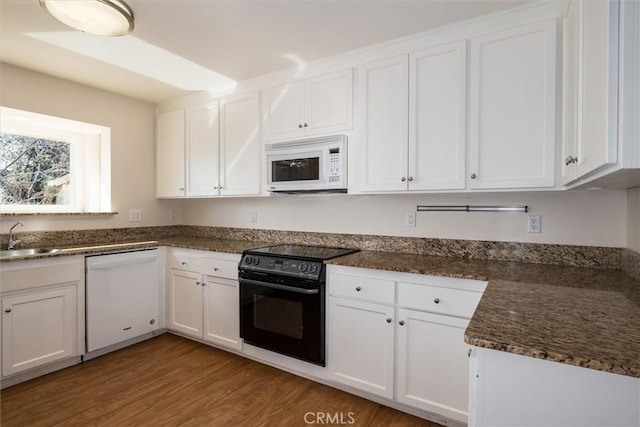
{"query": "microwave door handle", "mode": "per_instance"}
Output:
(281, 287)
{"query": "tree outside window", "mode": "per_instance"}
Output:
(34, 171)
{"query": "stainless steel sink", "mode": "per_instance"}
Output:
(27, 252)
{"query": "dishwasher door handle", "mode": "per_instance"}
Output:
(106, 265)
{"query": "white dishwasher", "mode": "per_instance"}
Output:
(123, 297)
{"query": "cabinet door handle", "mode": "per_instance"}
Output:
(403, 179)
(474, 176)
(197, 283)
(389, 320)
(410, 179)
(181, 188)
(306, 125)
(216, 269)
(437, 300)
(469, 353)
(401, 323)
(358, 288)
(203, 284)
(7, 310)
(300, 125)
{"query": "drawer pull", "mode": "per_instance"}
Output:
(358, 288)
(216, 269)
(401, 323)
(8, 310)
(389, 320)
(183, 263)
(469, 353)
(437, 300)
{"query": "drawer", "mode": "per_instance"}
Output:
(362, 287)
(454, 302)
(204, 265)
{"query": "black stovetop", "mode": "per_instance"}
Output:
(316, 253)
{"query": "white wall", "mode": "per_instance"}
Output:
(633, 219)
(132, 124)
(586, 217)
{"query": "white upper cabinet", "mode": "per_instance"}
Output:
(437, 117)
(170, 154)
(512, 108)
(591, 88)
(202, 150)
(412, 131)
(317, 105)
(240, 145)
(214, 148)
(383, 95)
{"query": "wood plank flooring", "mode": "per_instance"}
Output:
(173, 381)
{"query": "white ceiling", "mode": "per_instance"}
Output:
(207, 42)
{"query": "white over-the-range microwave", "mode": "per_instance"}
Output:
(309, 165)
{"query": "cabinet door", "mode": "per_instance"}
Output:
(361, 345)
(222, 312)
(185, 303)
(170, 159)
(437, 117)
(512, 108)
(39, 328)
(240, 148)
(381, 156)
(202, 150)
(329, 102)
(570, 93)
(597, 141)
(433, 363)
(284, 111)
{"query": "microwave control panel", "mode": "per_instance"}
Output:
(335, 165)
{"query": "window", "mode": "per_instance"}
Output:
(49, 164)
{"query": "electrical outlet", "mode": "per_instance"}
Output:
(135, 215)
(172, 215)
(533, 224)
(410, 219)
(253, 216)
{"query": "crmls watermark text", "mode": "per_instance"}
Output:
(345, 418)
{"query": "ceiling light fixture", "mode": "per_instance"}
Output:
(101, 17)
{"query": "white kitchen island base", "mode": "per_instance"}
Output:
(512, 390)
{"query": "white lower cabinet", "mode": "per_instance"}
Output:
(433, 365)
(42, 314)
(361, 346)
(401, 336)
(204, 296)
(38, 328)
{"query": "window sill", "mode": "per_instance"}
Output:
(57, 213)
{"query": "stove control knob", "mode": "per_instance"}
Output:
(256, 260)
(248, 260)
(303, 267)
(313, 268)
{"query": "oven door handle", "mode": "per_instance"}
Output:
(281, 287)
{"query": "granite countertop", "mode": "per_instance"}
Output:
(579, 316)
(201, 243)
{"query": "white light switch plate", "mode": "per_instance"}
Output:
(135, 215)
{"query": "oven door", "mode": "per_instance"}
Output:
(284, 318)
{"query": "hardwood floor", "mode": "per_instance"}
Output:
(170, 380)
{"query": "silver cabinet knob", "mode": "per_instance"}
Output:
(401, 323)
(197, 283)
(473, 176)
(437, 300)
(203, 284)
(216, 269)
(469, 353)
(7, 310)
(410, 179)
(403, 179)
(215, 187)
(569, 160)
(389, 320)
(300, 125)
(358, 288)
(306, 125)
(152, 321)
(183, 263)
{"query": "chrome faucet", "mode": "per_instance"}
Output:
(13, 243)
